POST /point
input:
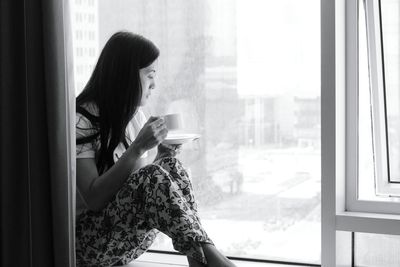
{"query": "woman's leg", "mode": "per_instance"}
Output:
(112, 236)
(180, 176)
(193, 263)
(215, 258)
(167, 209)
(149, 200)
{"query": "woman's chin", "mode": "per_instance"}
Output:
(144, 100)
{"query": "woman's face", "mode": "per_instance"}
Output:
(147, 80)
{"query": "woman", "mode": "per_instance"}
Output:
(125, 195)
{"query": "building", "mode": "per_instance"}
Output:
(284, 120)
(308, 122)
(85, 38)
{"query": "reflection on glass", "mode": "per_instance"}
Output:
(390, 12)
(245, 75)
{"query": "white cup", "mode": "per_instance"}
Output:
(173, 121)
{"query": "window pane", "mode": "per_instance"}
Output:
(390, 12)
(368, 156)
(373, 167)
(366, 177)
(376, 250)
(244, 74)
(84, 22)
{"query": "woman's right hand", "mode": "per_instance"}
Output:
(152, 134)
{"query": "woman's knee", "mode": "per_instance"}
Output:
(145, 170)
(155, 173)
(171, 165)
(156, 177)
(167, 161)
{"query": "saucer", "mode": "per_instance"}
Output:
(180, 138)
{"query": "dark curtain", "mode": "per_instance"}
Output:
(36, 163)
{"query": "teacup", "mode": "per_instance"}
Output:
(173, 121)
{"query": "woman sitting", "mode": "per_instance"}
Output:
(125, 196)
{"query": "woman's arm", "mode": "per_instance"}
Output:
(97, 190)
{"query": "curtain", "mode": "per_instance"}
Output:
(37, 142)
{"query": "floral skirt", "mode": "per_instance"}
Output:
(157, 197)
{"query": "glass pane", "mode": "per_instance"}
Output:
(366, 177)
(85, 37)
(376, 250)
(390, 12)
(244, 74)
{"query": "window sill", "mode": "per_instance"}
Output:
(368, 223)
(149, 259)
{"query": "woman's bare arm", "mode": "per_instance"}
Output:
(97, 190)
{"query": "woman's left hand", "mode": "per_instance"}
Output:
(165, 150)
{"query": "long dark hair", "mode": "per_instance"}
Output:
(115, 89)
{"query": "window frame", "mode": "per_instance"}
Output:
(383, 187)
(342, 212)
(177, 258)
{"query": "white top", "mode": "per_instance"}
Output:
(90, 150)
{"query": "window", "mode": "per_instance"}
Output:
(85, 41)
(371, 139)
(243, 76)
(378, 107)
(357, 126)
(383, 18)
(376, 250)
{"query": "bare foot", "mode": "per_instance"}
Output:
(214, 257)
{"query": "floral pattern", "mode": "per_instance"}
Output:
(157, 197)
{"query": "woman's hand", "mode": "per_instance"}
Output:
(152, 134)
(165, 150)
